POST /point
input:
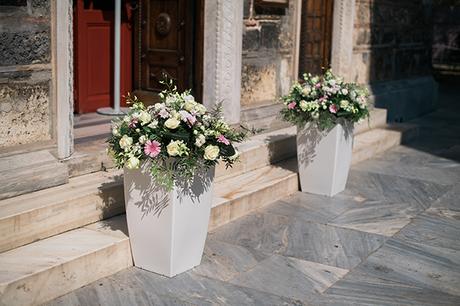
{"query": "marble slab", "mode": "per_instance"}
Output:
(415, 264)
(290, 236)
(357, 288)
(449, 204)
(375, 186)
(290, 277)
(378, 217)
(311, 207)
(138, 287)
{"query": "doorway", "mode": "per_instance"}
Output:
(169, 41)
(315, 36)
(94, 56)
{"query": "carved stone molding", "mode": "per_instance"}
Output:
(63, 75)
(342, 37)
(222, 56)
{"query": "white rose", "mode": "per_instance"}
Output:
(189, 105)
(145, 118)
(132, 163)
(315, 115)
(115, 131)
(344, 104)
(173, 148)
(125, 142)
(200, 109)
(211, 152)
(200, 140)
(306, 91)
(143, 139)
(303, 105)
(344, 91)
(172, 123)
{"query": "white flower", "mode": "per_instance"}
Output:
(145, 117)
(315, 115)
(200, 109)
(189, 105)
(143, 139)
(211, 152)
(115, 131)
(344, 104)
(306, 91)
(153, 124)
(172, 123)
(125, 142)
(344, 91)
(132, 163)
(177, 147)
(170, 100)
(159, 106)
(189, 98)
(200, 140)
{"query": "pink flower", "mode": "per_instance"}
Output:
(333, 108)
(152, 148)
(223, 140)
(163, 113)
(318, 85)
(291, 105)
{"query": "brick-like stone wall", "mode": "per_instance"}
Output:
(392, 40)
(268, 48)
(25, 72)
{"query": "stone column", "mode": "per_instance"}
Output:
(223, 28)
(63, 74)
(342, 37)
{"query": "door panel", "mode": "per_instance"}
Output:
(170, 43)
(315, 36)
(94, 38)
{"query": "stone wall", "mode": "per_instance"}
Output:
(268, 49)
(25, 72)
(392, 54)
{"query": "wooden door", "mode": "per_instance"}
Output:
(170, 43)
(315, 36)
(94, 56)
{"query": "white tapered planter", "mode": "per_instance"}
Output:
(167, 230)
(324, 158)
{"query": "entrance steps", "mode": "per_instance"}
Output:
(54, 242)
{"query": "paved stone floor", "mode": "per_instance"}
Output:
(391, 238)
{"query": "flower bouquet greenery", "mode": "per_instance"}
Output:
(324, 100)
(178, 135)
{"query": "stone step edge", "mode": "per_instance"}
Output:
(43, 214)
(60, 275)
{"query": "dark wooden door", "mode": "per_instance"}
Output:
(315, 36)
(94, 56)
(170, 43)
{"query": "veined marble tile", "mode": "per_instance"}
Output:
(433, 229)
(449, 204)
(357, 288)
(415, 264)
(378, 217)
(138, 287)
(224, 261)
(382, 187)
(445, 173)
(315, 208)
(290, 277)
(290, 236)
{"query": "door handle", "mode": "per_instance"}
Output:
(181, 59)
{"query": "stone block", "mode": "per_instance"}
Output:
(251, 40)
(269, 35)
(25, 48)
(259, 84)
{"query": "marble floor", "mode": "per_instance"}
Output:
(391, 238)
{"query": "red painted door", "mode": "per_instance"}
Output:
(94, 39)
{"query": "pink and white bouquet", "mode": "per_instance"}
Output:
(178, 135)
(324, 100)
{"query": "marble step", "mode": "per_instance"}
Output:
(49, 268)
(93, 197)
(375, 141)
(28, 172)
(377, 119)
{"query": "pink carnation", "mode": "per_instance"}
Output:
(133, 122)
(152, 148)
(223, 140)
(333, 108)
(291, 105)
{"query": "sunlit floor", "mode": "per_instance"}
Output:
(391, 238)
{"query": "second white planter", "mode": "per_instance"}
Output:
(167, 230)
(324, 158)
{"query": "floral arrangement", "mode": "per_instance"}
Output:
(178, 136)
(324, 100)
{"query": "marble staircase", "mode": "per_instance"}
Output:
(61, 238)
